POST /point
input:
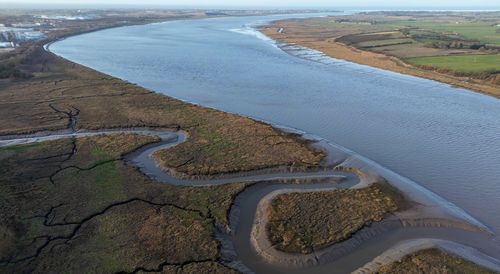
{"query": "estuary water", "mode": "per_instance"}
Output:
(445, 139)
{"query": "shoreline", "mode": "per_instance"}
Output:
(369, 172)
(339, 51)
(344, 159)
(261, 243)
(414, 217)
(339, 157)
(428, 210)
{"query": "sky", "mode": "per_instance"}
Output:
(269, 3)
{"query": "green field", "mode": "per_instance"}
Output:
(463, 63)
(482, 31)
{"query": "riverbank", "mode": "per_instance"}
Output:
(63, 92)
(163, 139)
(95, 219)
(67, 193)
(311, 33)
(419, 209)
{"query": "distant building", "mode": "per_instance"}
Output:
(68, 17)
(26, 25)
(12, 36)
(7, 45)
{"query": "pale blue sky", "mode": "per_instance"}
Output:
(274, 3)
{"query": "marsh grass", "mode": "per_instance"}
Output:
(432, 261)
(304, 222)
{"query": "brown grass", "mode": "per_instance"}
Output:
(303, 222)
(88, 212)
(74, 206)
(432, 261)
(218, 142)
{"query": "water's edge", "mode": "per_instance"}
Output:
(349, 159)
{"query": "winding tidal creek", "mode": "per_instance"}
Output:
(439, 137)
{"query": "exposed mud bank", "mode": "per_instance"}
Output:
(427, 210)
(408, 247)
(340, 168)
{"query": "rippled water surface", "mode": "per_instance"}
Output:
(444, 138)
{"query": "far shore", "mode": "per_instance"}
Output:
(286, 31)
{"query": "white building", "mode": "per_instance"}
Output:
(10, 37)
(7, 45)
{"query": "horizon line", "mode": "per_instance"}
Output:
(246, 6)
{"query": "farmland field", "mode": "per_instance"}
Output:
(458, 48)
(485, 32)
(464, 63)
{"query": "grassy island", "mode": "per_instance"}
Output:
(304, 222)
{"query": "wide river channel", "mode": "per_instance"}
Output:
(445, 139)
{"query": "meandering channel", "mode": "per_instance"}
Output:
(240, 241)
(443, 138)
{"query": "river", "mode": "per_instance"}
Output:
(445, 139)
